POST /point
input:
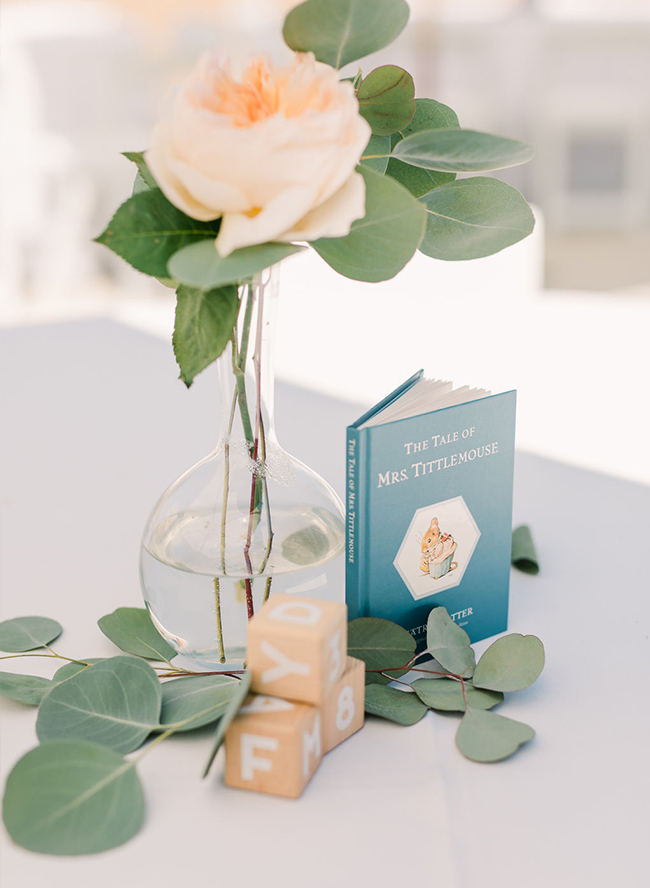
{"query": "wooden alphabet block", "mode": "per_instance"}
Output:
(297, 648)
(343, 709)
(273, 746)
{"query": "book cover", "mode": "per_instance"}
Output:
(429, 513)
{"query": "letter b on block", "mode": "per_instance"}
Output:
(297, 648)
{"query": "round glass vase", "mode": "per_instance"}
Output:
(248, 520)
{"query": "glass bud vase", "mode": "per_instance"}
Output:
(248, 520)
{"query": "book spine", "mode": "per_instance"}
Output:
(353, 509)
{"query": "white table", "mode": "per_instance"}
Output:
(96, 425)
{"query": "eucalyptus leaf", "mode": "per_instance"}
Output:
(132, 630)
(115, 703)
(456, 150)
(429, 114)
(449, 644)
(147, 230)
(204, 324)
(236, 702)
(381, 645)
(376, 154)
(196, 700)
(487, 737)
(387, 99)
(340, 31)
(524, 554)
(447, 695)
(380, 244)
(137, 157)
(72, 797)
(28, 633)
(476, 217)
(28, 689)
(511, 663)
(402, 707)
(70, 669)
(199, 265)
(306, 546)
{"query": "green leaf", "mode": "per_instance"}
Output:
(115, 703)
(457, 150)
(380, 244)
(448, 695)
(236, 702)
(511, 663)
(71, 669)
(429, 114)
(137, 157)
(474, 217)
(340, 31)
(147, 230)
(524, 554)
(199, 265)
(139, 184)
(402, 707)
(204, 324)
(376, 154)
(306, 546)
(381, 645)
(449, 644)
(131, 629)
(28, 689)
(387, 99)
(488, 737)
(72, 797)
(195, 699)
(28, 633)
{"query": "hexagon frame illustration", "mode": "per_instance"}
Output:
(451, 526)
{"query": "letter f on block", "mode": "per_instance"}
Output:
(284, 666)
(251, 762)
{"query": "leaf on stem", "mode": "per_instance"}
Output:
(199, 265)
(402, 707)
(511, 663)
(380, 244)
(447, 695)
(236, 702)
(487, 737)
(72, 797)
(429, 115)
(28, 689)
(201, 698)
(115, 703)
(376, 154)
(147, 230)
(381, 645)
(204, 324)
(456, 150)
(71, 669)
(132, 630)
(387, 99)
(476, 217)
(449, 644)
(340, 31)
(28, 633)
(137, 157)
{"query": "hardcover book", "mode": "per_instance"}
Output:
(429, 507)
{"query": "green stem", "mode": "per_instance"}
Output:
(217, 607)
(267, 589)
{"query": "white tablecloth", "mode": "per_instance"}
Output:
(96, 426)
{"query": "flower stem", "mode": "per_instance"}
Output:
(217, 607)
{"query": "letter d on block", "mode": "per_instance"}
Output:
(305, 612)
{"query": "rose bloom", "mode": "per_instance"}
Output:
(273, 155)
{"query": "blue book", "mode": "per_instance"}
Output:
(429, 507)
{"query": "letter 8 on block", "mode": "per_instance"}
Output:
(273, 746)
(297, 648)
(343, 709)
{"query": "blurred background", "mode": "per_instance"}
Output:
(562, 316)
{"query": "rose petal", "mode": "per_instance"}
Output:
(334, 217)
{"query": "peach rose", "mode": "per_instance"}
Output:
(273, 155)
